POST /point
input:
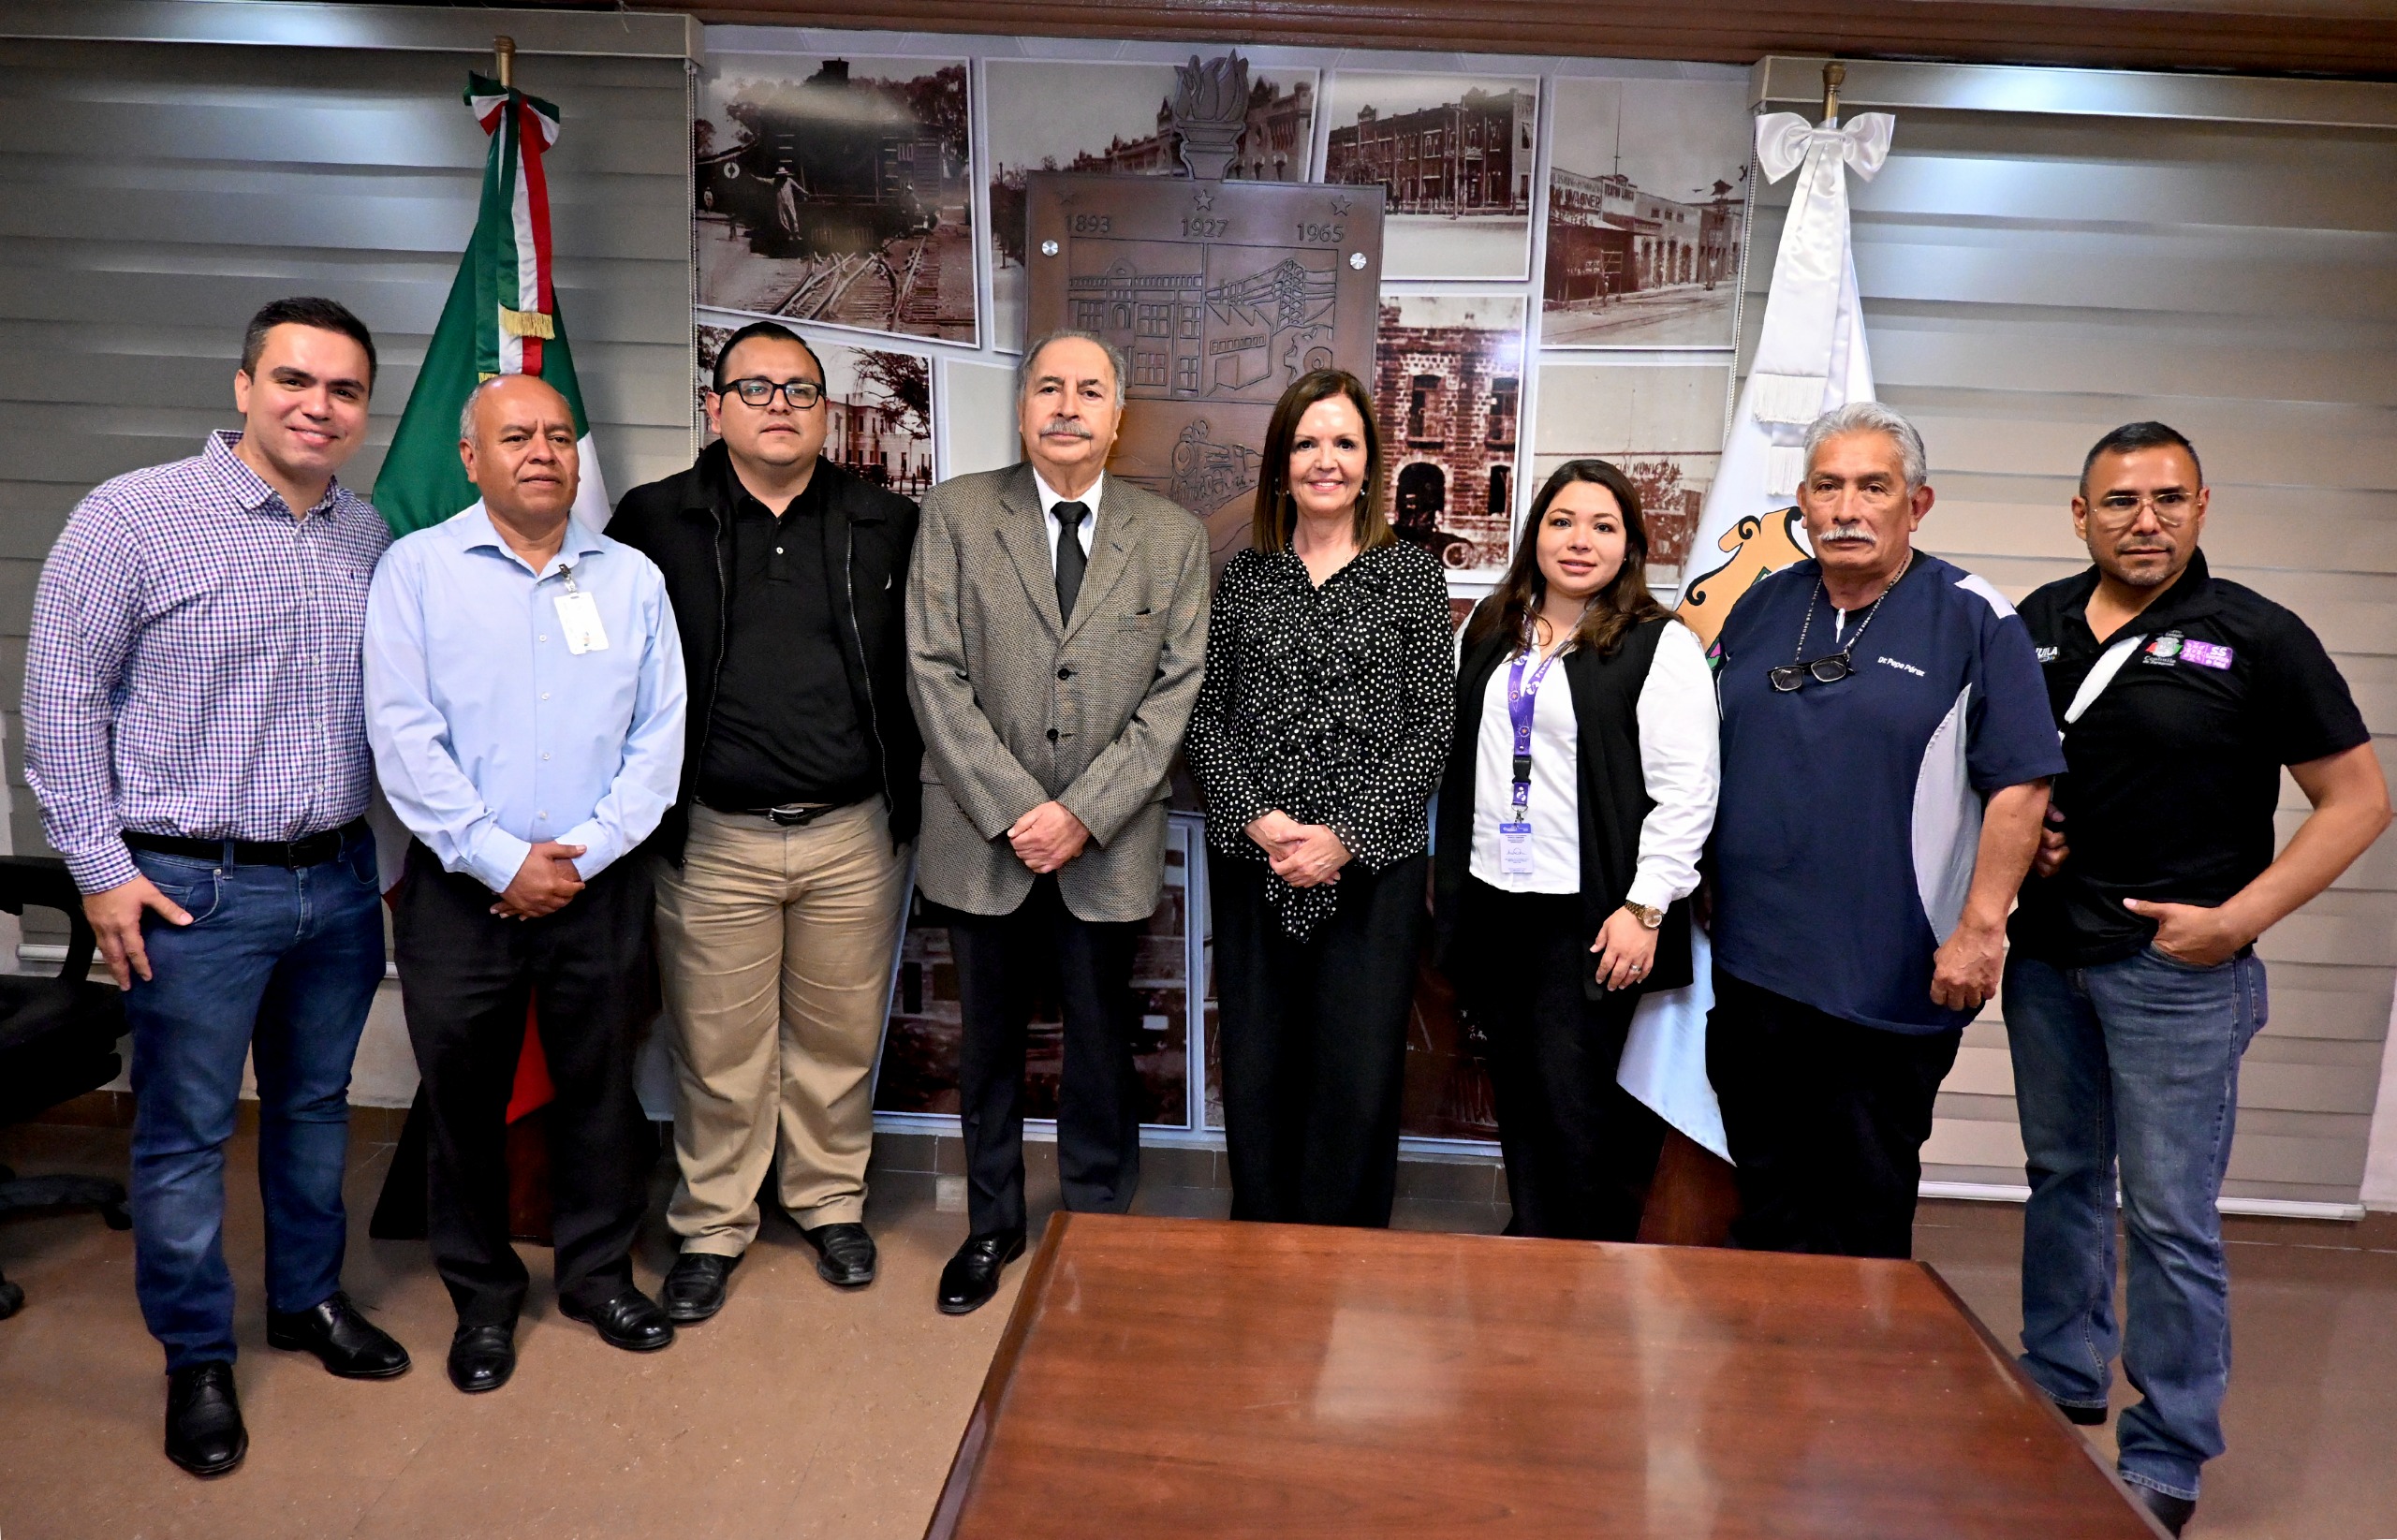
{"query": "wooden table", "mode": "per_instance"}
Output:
(1188, 1378)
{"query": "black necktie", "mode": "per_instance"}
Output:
(1070, 560)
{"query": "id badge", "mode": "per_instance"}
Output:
(579, 616)
(1515, 849)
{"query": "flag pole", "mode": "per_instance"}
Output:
(1835, 75)
(503, 58)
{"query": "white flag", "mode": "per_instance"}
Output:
(1810, 359)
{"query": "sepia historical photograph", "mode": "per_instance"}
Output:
(837, 191)
(1454, 154)
(1122, 123)
(1662, 424)
(880, 402)
(1448, 392)
(919, 1068)
(1647, 201)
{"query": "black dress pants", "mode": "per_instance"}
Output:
(466, 976)
(1826, 1121)
(1313, 1036)
(1579, 1149)
(1001, 962)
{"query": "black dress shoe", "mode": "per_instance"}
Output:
(843, 1254)
(2083, 1416)
(631, 1320)
(347, 1343)
(204, 1431)
(972, 1275)
(2171, 1512)
(695, 1286)
(482, 1357)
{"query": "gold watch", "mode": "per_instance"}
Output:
(1646, 914)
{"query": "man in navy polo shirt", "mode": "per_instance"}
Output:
(1886, 753)
(2133, 986)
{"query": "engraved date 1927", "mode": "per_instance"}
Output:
(1205, 229)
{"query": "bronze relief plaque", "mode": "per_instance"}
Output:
(1221, 294)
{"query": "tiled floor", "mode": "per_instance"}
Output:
(802, 1412)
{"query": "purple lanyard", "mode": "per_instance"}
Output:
(1523, 699)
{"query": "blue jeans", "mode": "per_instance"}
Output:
(2135, 1063)
(280, 965)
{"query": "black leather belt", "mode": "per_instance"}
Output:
(310, 850)
(788, 815)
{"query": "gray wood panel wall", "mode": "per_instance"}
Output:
(2033, 280)
(151, 197)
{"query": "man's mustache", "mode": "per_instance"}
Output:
(1840, 534)
(1067, 428)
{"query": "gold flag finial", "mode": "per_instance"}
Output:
(1834, 74)
(503, 57)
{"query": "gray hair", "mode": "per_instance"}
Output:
(1870, 417)
(466, 411)
(1115, 361)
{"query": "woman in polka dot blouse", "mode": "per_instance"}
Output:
(1318, 739)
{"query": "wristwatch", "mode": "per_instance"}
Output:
(1646, 914)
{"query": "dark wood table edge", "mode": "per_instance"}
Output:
(967, 1462)
(966, 1465)
(2054, 1413)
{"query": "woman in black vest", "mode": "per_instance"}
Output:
(1579, 795)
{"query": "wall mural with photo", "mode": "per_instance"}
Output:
(1447, 390)
(838, 191)
(919, 1070)
(880, 402)
(1647, 200)
(1661, 423)
(1454, 153)
(1122, 124)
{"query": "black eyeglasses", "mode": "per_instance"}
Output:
(1828, 669)
(757, 391)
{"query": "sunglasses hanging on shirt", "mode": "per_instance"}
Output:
(1832, 667)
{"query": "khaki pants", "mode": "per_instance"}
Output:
(777, 945)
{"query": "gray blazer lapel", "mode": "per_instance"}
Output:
(1025, 534)
(1112, 541)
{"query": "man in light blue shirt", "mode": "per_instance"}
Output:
(524, 696)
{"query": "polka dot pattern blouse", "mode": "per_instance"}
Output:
(1333, 704)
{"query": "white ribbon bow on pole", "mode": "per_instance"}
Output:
(1810, 355)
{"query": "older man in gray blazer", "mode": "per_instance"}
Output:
(1056, 627)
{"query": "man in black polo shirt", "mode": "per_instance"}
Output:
(2133, 986)
(783, 866)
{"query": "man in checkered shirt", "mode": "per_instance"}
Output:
(195, 731)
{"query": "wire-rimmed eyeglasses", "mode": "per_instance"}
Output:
(1828, 669)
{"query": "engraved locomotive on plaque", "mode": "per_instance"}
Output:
(1219, 293)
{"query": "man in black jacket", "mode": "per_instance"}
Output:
(783, 867)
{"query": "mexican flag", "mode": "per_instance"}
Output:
(501, 318)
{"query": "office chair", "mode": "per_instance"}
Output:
(58, 1040)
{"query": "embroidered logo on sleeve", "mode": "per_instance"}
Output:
(2206, 655)
(2047, 654)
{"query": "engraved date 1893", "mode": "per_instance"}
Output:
(1089, 224)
